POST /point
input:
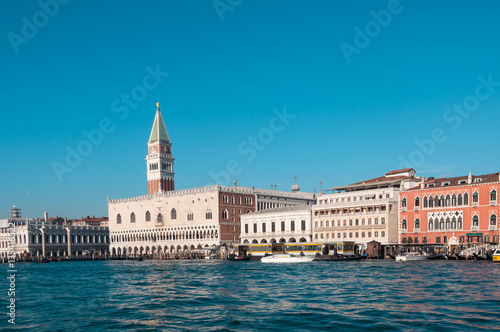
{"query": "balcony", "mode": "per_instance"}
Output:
(492, 227)
(403, 209)
(404, 231)
(417, 208)
(493, 203)
(475, 204)
(416, 230)
(474, 228)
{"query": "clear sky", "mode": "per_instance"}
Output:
(362, 88)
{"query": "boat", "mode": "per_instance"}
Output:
(496, 256)
(287, 258)
(437, 257)
(340, 259)
(140, 258)
(238, 258)
(411, 256)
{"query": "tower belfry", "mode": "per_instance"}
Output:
(160, 162)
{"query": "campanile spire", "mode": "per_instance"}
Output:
(160, 162)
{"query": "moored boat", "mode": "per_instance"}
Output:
(411, 256)
(496, 256)
(237, 258)
(340, 259)
(287, 258)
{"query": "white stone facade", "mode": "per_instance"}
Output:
(30, 239)
(289, 224)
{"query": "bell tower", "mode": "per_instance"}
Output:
(160, 162)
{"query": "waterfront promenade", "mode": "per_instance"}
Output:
(376, 295)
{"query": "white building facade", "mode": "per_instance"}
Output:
(279, 225)
(362, 212)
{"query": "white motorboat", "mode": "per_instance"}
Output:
(411, 256)
(287, 258)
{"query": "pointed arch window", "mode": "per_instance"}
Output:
(224, 214)
(404, 224)
(173, 214)
(159, 218)
(438, 239)
(460, 202)
(431, 201)
(475, 221)
(466, 199)
(493, 196)
(403, 203)
(447, 201)
(148, 216)
(431, 224)
(190, 216)
(475, 197)
(417, 201)
(119, 219)
(459, 223)
(426, 202)
(417, 224)
(208, 214)
(493, 220)
(132, 217)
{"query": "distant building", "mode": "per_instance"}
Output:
(279, 225)
(91, 221)
(460, 211)
(167, 221)
(363, 211)
(29, 238)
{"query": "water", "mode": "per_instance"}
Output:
(252, 296)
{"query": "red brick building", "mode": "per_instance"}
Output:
(461, 211)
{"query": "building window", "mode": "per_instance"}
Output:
(416, 239)
(453, 223)
(159, 218)
(362, 234)
(462, 239)
(382, 234)
(132, 217)
(431, 225)
(493, 196)
(459, 223)
(454, 200)
(225, 199)
(382, 221)
(263, 227)
(404, 224)
(438, 239)
(255, 228)
(173, 214)
(475, 221)
(369, 234)
(273, 227)
(475, 197)
(466, 199)
(403, 240)
(417, 223)
(459, 199)
(239, 200)
(118, 219)
(426, 202)
(292, 225)
(303, 225)
(493, 220)
(148, 216)
(376, 221)
(417, 201)
(431, 201)
(350, 222)
(282, 226)
(447, 202)
(232, 199)
(190, 216)
(208, 214)
(224, 214)
(448, 223)
(246, 228)
(403, 203)
(376, 234)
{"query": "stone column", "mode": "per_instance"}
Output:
(43, 240)
(68, 230)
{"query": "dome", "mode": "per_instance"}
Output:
(295, 187)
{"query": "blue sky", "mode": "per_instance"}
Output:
(230, 69)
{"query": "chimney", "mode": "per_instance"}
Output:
(469, 179)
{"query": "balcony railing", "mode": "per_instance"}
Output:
(416, 230)
(417, 208)
(492, 227)
(475, 204)
(474, 228)
(404, 231)
(403, 208)
(493, 203)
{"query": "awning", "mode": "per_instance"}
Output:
(474, 234)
